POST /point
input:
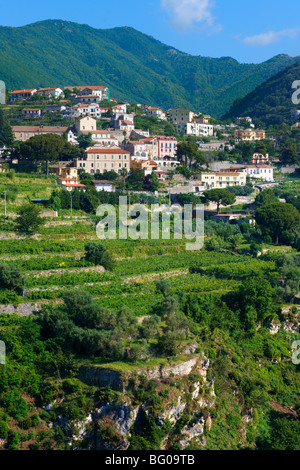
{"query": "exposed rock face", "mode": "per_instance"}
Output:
(122, 414)
(192, 432)
(274, 327)
(191, 348)
(110, 426)
(173, 413)
(101, 377)
(247, 416)
(122, 417)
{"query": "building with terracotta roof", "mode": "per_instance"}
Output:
(100, 160)
(70, 184)
(260, 159)
(17, 95)
(156, 112)
(95, 90)
(247, 135)
(24, 133)
(264, 172)
(211, 179)
(51, 92)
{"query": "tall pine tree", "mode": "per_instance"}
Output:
(6, 134)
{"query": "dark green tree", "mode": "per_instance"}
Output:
(220, 196)
(274, 219)
(85, 141)
(29, 220)
(289, 154)
(188, 152)
(266, 197)
(98, 255)
(135, 180)
(6, 134)
(10, 277)
(46, 148)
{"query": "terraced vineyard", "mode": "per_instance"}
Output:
(52, 266)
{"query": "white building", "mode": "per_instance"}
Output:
(51, 92)
(83, 109)
(102, 92)
(104, 185)
(264, 172)
(156, 112)
(195, 128)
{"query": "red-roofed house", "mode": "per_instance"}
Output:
(264, 172)
(100, 160)
(51, 92)
(95, 90)
(156, 112)
(70, 184)
(22, 94)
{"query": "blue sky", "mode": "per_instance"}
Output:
(251, 31)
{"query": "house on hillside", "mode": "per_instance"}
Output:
(102, 92)
(99, 160)
(55, 93)
(223, 179)
(248, 135)
(167, 147)
(195, 128)
(18, 95)
(260, 159)
(24, 133)
(156, 112)
(32, 112)
(104, 185)
(180, 115)
(264, 172)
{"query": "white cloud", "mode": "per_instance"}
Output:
(185, 13)
(265, 39)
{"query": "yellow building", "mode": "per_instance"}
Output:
(100, 160)
(248, 135)
(222, 179)
(147, 166)
(66, 171)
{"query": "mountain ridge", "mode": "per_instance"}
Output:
(270, 102)
(135, 66)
